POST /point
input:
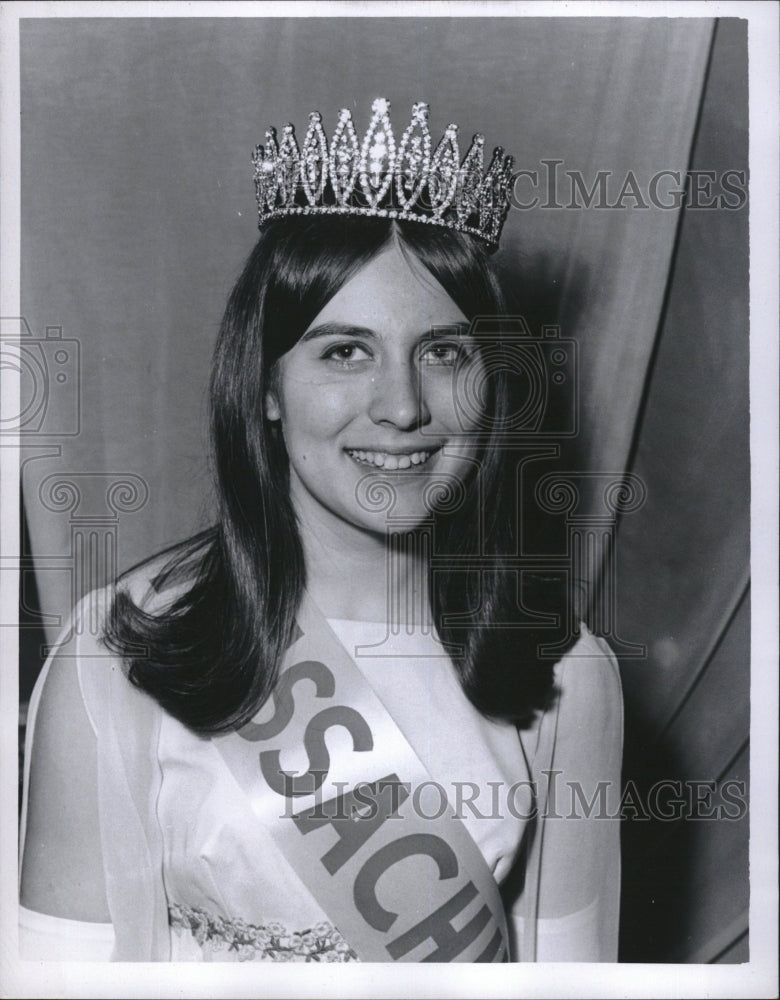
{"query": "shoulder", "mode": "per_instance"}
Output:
(61, 872)
(588, 684)
(152, 586)
(88, 662)
(84, 711)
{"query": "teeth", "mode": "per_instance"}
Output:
(381, 460)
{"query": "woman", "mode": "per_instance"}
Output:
(315, 732)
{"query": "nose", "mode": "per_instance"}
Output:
(397, 399)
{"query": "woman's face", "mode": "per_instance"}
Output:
(368, 401)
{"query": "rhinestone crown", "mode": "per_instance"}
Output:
(381, 178)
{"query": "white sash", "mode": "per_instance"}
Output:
(330, 775)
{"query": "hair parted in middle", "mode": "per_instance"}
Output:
(214, 651)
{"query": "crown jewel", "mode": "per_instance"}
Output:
(382, 178)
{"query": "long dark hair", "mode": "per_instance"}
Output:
(212, 654)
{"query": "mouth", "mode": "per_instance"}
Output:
(390, 461)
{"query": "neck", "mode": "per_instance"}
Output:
(365, 576)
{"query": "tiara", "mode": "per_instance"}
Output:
(381, 178)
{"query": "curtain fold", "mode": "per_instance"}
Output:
(683, 561)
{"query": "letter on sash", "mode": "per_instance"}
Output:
(368, 876)
(439, 927)
(292, 785)
(353, 828)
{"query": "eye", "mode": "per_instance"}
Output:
(346, 354)
(445, 353)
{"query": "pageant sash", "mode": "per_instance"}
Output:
(333, 779)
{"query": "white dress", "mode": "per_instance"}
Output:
(192, 874)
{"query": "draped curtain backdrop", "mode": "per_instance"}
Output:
(138, 210)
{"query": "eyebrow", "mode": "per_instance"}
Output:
(347, 330)
(337, 330)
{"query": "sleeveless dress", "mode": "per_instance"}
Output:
(192, 874)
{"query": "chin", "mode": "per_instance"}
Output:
(391, 504)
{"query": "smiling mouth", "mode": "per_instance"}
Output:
(388, 462)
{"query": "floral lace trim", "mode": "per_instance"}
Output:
(272, 941)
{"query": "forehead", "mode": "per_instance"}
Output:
(392, 293)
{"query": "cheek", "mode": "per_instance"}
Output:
(317, 411)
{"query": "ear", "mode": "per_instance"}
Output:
(271, 406)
